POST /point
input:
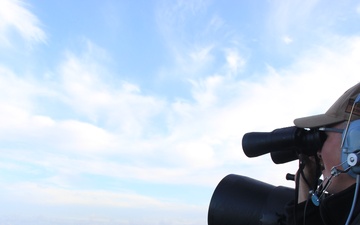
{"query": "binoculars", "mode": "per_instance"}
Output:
(283, 144)
(243, 200)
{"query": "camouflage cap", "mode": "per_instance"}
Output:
(338, 112)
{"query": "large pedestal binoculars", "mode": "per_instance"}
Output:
(239, 200)
(284, 144)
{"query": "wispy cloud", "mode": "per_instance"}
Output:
(287, 40)
(287, 15)
(15, 16)
(196, 51)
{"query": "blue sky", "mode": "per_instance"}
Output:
(131, 112)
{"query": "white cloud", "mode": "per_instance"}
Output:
(287, 40)
(15, 90)
(120, 104)
(192, 40)
(18, 102)
(202, 55)
(216, 23)
(201, 134)
(14, 15)
(226, 108)
(234, 61)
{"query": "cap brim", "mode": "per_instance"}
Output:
(316, 121)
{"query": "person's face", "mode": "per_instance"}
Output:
(330, 156)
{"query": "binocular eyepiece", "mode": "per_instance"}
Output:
(284, 144)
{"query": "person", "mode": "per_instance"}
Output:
(328, 202)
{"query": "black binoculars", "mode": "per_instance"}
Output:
(242, 200)
(284, 144)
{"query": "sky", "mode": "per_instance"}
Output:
(131, 112)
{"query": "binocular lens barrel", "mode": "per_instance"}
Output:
(259, 143)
